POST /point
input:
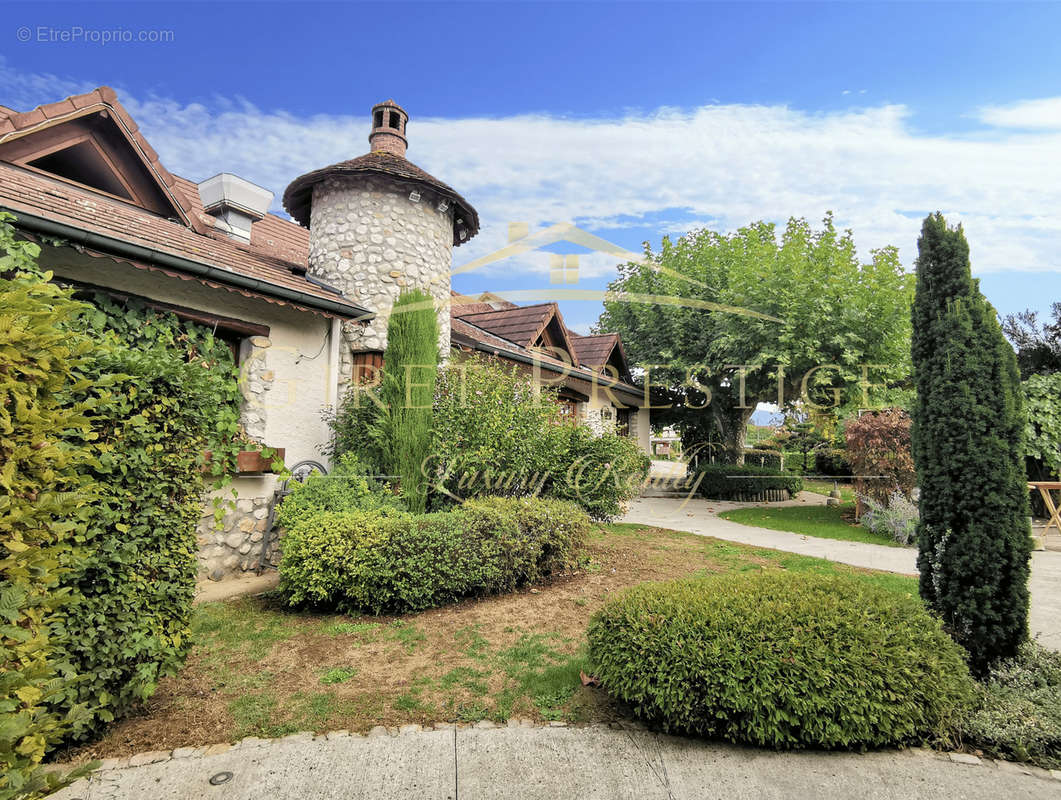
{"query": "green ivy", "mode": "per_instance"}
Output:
(1042, 396)
(45, 497)
(133, 576)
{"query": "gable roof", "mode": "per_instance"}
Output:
(272, 266)
(595, 351)
(298, 197)
(101, 103)
(109, 227)
(520, 325)
(581, 379)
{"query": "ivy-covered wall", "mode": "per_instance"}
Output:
(292, 376)
(284, 382)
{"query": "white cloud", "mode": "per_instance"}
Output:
(1041, 114)
(723, 164)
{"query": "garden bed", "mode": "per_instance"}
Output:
(258, 670)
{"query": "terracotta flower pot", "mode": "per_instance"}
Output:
(250, 462)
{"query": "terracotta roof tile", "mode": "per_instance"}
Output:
(22, 190)
(520, 325)
(594, 351)
(57, 109)
(465, 333)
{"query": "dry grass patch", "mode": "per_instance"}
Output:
(258, 669)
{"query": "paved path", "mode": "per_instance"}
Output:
(549, 763)
(701, 517)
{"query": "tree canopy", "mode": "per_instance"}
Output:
(1038, 344)
(727, 320)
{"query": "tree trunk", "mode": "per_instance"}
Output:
(733, 423)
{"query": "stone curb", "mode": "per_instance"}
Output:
(203, 751)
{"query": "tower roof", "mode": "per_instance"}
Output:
(387, 160)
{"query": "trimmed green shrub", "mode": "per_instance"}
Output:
(132, 579)
(766, 459)
(731, 482)
(781, 659)
(347, 487)
(374, 562)
(495, 435)
(1042, 400)
(599, 473)
(1019, 711)
(44, 507)
(832, 462)
(410, 366)
(974, 540)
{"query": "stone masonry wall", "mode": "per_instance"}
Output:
(235, 546)
(370, 240)
(254, 381)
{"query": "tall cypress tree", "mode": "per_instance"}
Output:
(974, 540)
(410, 367)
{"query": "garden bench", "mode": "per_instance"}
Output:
(1045, 487)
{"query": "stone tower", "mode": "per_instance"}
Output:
(379, 224)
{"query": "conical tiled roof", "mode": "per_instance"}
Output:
(298, 197)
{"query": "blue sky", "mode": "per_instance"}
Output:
(629, 119)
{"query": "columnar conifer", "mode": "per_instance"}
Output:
(973, 537)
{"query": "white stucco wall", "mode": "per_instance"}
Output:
(295, 364)
(592, 413)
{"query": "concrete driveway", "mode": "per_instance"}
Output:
(701, 517)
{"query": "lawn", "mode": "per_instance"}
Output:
(824, 522)
(257, 669)
(847, 493)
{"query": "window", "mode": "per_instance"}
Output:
(377, 121)
(394, 119)
(367, 366)
(622, 422)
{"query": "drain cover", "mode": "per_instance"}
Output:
(221, 777)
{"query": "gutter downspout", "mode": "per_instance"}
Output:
(334, 341)
(124, 249)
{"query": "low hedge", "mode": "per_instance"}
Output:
(768, 459)
(832, 462)
(781, 659)
(374, 561)
(347, 487)
(732, 482)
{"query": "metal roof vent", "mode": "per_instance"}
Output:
(235, 204)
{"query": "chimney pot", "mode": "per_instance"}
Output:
(388, 129)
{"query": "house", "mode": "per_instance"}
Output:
(303, 302)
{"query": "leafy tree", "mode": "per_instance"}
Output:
(802, 437)
(878, 444)
(410, 365)
(973, 539)
(1038, 345)
(806, 301)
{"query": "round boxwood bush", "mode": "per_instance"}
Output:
(781, 659)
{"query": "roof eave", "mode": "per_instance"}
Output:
(124, 249)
